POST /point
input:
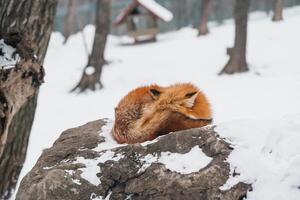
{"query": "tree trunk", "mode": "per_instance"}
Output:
(203, 28)
(90, 79)
(70, 19)
(278, 7)
(25, 25)
(237, 61)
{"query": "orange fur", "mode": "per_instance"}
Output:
(150, 111)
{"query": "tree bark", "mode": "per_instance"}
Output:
(203, 28)
(237, 61)
(90, 79)
(70, 19)
(25, 25)
(278, 8)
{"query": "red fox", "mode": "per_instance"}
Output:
(148, 112)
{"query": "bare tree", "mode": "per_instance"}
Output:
(70, 19)
(90, 79)
(277, 9)
(237, 61)
(25, 25)
(205, 8)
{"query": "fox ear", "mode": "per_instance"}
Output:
(154, 93)
(191, 97)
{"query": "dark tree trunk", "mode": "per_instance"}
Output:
(25, 25)
(90, 79)
(70, 19)
(203, 28)
(277, 9)
(237, 61)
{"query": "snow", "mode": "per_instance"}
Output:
(260, 98)
(156, 8)
(89, 172)
(181, 163)
(151, 5)
(8, 56)
(105, 132)
(267, 155)
(95, 197)
(90, 70)
(71, 172)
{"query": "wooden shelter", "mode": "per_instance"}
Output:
(141, 18)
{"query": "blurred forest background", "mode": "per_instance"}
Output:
(186, 12)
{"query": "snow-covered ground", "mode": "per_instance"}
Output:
(266, 140)
(267, 154)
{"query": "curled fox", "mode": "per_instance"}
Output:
(148, 112)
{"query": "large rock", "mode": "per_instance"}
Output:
(85, 163)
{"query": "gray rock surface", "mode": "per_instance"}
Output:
(83, 165)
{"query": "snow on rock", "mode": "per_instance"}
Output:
(267, 155)
(89, 172)
(71, 173)
(95, 197)
(181, 163)
(91, 165)
(109, 140)
(8, 56)
(80, 163)
(156, 8)
(177, 162)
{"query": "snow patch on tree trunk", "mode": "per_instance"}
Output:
(8, 56)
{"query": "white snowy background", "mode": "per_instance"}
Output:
(258, 112)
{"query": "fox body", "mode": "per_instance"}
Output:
(151, 111)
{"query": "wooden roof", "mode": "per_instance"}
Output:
(150, 5)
